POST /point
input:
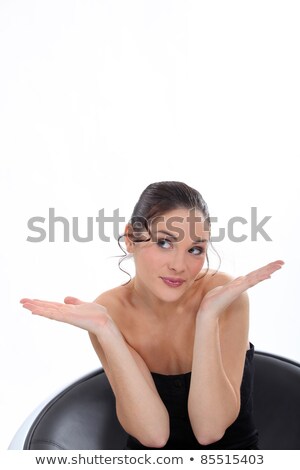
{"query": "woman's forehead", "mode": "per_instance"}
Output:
(180, 216)
(187, 220)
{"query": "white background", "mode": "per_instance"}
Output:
(100, 98)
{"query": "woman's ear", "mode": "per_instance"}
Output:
(128, 238)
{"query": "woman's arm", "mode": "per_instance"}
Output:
(218, 360)
(220, 344)
(139, 407)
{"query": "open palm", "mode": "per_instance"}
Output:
(219, 298)
(89, 316)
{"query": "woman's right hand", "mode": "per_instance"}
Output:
(89, 316)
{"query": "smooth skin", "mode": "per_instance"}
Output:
(119, 322)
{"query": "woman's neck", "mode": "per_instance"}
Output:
(142, 298)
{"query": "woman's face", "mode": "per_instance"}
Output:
(169, 263)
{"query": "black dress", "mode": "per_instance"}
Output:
(174, 390)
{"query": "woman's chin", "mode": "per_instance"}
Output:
(170, 294)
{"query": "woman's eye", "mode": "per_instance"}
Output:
(199, 250)
(196, 250)
(164, 243)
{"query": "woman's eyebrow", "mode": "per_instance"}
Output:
(197, 240)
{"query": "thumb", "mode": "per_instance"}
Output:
(72, 300)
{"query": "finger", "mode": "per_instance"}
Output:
(271, 267)
(274, 266)
(48, 312)
(26, 300)
(263, 273)
(41, 303)
(280, 261)
(72, 300)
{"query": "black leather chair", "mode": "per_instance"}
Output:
(83, 415)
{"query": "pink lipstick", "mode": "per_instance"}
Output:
(173, 281)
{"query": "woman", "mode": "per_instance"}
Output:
(173, 341)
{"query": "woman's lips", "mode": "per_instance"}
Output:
(172, 282)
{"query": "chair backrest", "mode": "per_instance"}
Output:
(277, 401)
(83, 416)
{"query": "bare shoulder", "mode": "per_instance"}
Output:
(112, 301)
(107, 298)
(215, 279)
(220, 278)
(117, 303)
(112, 296)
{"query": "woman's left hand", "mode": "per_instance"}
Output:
(219, 298)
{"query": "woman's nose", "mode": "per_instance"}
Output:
(176, 263)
